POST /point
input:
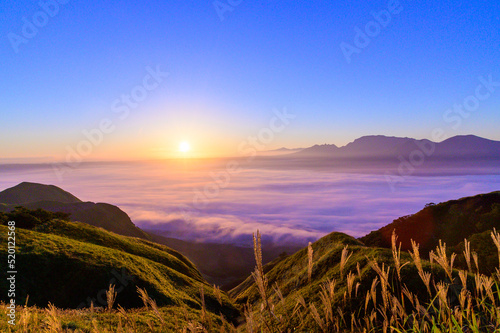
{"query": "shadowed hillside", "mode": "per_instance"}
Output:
(54, 199)
(450, 221)
(223, 264)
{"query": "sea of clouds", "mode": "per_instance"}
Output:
(293, 206)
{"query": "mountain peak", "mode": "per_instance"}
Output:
(318, 150)
(379, 139)
(469, 145)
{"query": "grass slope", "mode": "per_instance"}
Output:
(336, 296)
(89, 234)
(72, 264)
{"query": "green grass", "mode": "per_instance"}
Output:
(36, 320)
(284, 300)
(89, 234)
(71, 265)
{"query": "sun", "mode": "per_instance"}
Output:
(184, 147)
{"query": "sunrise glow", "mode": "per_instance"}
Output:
(184, 147)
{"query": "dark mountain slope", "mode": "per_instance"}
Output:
(468, 145)
(54, 199)
(451, 221)
(29, 192)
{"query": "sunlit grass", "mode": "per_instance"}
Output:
(363, 290)
(452, 301)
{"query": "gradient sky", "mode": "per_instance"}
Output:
(227, 76)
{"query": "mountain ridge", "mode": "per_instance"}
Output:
(386, 146)
(55, 199)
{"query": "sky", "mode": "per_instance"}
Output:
(133, 80)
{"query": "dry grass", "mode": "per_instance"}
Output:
(310, 253)
(459, 301)
(110, 297)
(148, 319)
(343, 259)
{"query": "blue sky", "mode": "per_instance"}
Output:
(227, 76)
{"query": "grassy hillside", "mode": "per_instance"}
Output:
(73, 264)
(291, 274)
(291, 268)
(339, 285)
(136, 246)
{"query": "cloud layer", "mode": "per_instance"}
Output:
(187, 201)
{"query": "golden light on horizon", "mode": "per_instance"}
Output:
(184, 147)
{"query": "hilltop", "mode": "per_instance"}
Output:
(55, 199)
(26, 192)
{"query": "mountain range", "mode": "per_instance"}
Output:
(379, 146)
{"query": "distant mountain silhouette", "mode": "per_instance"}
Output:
(379, 146)
(468, 145)
(55, 199)
(318, 150)
(284, 149)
